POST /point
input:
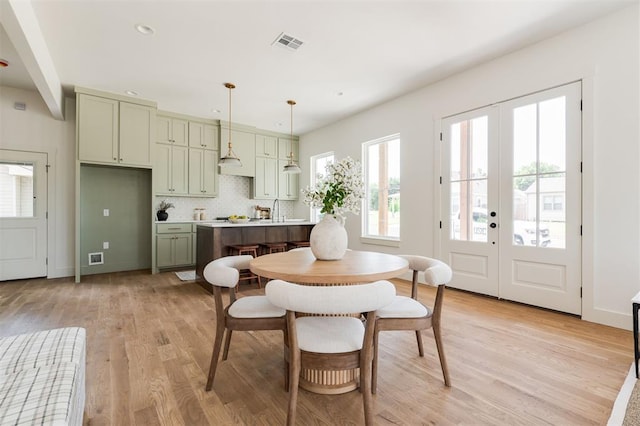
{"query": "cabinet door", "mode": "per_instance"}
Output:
(210, 140)
(164, 251)
(203, 135)
(180, 132)
(196, 160)
(172, 130)
(163, 129)
(288, 183)
(179, 170)
(136, 134)
(97, 129)
(162, 169)
(287, 146)
(244, 145)
(210, 180)
(196, 134)
(266, 146)
(265, 181)
(183, 249)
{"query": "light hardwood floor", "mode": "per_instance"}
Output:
(150, 339)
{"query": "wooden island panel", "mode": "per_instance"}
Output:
(213, 242)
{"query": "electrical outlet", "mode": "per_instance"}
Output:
(105, 212)
(105, 245)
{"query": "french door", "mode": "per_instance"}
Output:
(511, 199)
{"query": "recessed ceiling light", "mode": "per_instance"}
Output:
(131, 92)
(340, 93)
(145, 29)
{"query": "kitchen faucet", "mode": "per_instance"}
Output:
(273, 211)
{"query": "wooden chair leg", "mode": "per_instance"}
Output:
(214, 357)
(227, 343)
(443, 360)
(294, 379)
(285, 358)
(374, 368)
(419, 339)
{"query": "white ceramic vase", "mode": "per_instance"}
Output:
(329, 239)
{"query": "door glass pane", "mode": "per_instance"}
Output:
(479, 147)
(552, 134)
(539, 162)
(552, 210)
(16, 190)
(524, 139)
(469, 166)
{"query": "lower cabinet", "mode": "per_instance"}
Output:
(174, 245)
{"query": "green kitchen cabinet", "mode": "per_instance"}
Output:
(172, 130)
(174, 245)
(203, 172)
(171, 171)
(114, 132)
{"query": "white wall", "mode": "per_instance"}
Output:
(35, 130)
(605, 55)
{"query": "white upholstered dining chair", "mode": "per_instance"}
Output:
(322, 341)
(243, 314)
(407, 313)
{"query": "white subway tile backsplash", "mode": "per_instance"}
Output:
(234, 198)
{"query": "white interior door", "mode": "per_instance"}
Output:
(511, 199)
(23, 215)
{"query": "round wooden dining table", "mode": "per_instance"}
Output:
(300, 266)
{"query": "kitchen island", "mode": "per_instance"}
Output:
(214, 239)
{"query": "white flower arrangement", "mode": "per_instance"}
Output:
(340, 191)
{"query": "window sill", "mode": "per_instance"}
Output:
(380, 241)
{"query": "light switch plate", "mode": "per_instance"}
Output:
(105, 212)
(105, 245)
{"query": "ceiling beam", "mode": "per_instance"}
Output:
(21, 25)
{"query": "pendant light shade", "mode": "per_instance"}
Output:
(231, 159)
(291, 166)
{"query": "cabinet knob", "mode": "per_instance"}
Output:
(115, 159)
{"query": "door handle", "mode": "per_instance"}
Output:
(493, 225)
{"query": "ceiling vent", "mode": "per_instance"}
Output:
(288, 42)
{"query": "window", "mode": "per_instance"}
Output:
(381, 169)
(318, 169)
(16, 190)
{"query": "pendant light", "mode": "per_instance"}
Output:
(231, 159)
(291, 166)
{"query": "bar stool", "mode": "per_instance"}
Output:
(268, 248)
(252, 249)
(298, 244)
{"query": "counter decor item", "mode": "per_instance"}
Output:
(162, 214)
(238, 219)
(336, 193)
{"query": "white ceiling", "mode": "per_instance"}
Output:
(356, 54)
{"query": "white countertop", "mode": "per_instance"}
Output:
(226, 224)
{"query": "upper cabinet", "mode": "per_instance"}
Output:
(202, 135)
(287, 146)
(172, 130)
(266, 146)
(270, 182)
(114, 131)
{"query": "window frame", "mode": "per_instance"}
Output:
(365, 237)
(314, 212)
